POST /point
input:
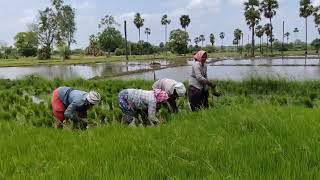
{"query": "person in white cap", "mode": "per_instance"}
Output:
(174, 89)
(68, 103)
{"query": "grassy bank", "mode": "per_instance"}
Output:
(175, 59)
(260, 129)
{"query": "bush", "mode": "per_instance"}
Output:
(44, 53)
(119, 52)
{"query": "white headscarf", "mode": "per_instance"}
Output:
(93, 97)
(180, 89)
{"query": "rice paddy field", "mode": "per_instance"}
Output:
(259, 129)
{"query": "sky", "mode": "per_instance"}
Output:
(207, 16)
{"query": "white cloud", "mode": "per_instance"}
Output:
(83, 5)
(29, 16)
(316, 3)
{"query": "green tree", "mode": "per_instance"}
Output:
(110, 39)
(222, 36)
(66, 29)
(316, 44)
(178, 41)
(202, 39)
(93, 48)
(295, 32)
(252, 15)
(147, 31)
(259, 34)
(196, 40)
(268, 8)
(287, 34)
(108, 21)
(267, 31)
(46, 29)
(139, 22)
(212, 39)
(26, 43)
(165, 22)
(317, 18)
(306, 10)
(237, 37)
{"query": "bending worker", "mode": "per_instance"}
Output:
(174, 89)
(137, 102)
(68, 103)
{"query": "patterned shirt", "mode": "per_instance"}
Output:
(143, 100)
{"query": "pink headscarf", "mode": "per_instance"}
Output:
(198, 56)
(160, 95)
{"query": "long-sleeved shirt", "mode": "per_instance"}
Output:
(143, 100)
(168, 85)
(74, 101)
(199, 76)
(165, 85)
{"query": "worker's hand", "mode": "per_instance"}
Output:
(84, 124)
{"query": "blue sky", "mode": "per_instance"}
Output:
(207, 16)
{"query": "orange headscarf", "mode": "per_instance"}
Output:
(198, 56)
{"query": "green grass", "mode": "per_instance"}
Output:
(260, 129)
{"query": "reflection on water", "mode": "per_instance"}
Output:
(227, 69)
(235, 73)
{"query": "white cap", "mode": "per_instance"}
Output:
(180, 89)
(93, 97)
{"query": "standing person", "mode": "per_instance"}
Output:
(198, 83)
(174, 89)
(68, 103)
(135, 102)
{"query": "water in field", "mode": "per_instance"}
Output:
(293, 69)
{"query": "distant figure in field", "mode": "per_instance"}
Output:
(199, 84)
(174, 89)
(137, 102)
(68, 103)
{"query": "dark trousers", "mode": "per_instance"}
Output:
(198, 99)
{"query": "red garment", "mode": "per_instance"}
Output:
(57, 106)
(198, 56)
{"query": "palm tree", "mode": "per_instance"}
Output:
(222, 36)
(147, 31)
(202, 39)
(287, 34)
(165, 22)
(196, 40)
(259, 34)
(317, 17)
(139, 22)
(252, 15)
(267, 31)
(306, 10)
(212, 39)
(296, 31)
(268, 8)
(185, 22)
(237, 37)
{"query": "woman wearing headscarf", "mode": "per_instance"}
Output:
(68, 103)
(199, 83)
(135, 102)
(173, 88)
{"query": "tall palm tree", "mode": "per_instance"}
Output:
(139, 22)
(252, 15)
(259, 34)
(237, 37)
(185, 22)
(147, 31)
(212, 39)
(268, 8)
(267, 31)
(306, 10)
(202, 39)
(317, 17)
(222, 36)
(287, 34)
(165, 22)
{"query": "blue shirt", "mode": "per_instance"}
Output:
(74, 101)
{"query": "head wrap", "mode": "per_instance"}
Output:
(180, 89)
(198, 56)
(160, 95)
(93, 97)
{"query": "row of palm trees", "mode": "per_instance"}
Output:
(255, 8)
